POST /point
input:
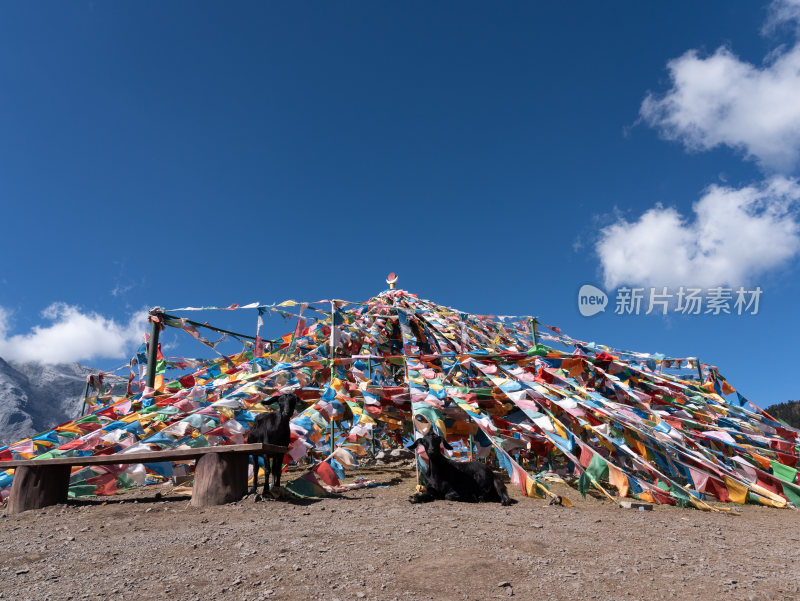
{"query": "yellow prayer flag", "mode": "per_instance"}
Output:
(736, 490)
(227, 412)
(618, 479)
(646, 496)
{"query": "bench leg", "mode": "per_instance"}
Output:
(219, 478)
(37, 487)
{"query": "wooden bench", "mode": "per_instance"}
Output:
(220, 474)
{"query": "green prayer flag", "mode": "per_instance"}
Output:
(88, 419)
(583, 484)
(784, 472)
(305, 488)
(791, 492)
(125, 481)
(598, 468)
(681, 496)
(197, 442)
(81, 490)
(46, 455)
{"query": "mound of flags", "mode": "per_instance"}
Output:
(508, 389)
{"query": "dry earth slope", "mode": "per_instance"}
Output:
(373, 544)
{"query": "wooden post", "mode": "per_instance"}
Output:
(534, 332)
(332, 431)
(364, 409)
(333, 326)
(152, 348)
(37, 487)
(219, 478)
(85, 395)
(413, 420)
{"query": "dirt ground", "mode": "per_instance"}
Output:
(373, 544)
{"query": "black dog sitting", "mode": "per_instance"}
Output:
(467, 481)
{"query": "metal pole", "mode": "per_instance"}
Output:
(699, 370)
(152, 349)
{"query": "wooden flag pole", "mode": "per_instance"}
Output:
(152, 348)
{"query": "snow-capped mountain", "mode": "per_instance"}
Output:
(35, 397)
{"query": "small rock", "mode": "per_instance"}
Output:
(360, 595)
(22, 571)
(503, 583)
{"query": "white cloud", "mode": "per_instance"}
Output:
(72, 335)
(720, 100)
(782, 12)
(119, 289)
(735, 236)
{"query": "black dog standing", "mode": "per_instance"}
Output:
(272, 428)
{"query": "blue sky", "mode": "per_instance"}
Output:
(495, 157)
